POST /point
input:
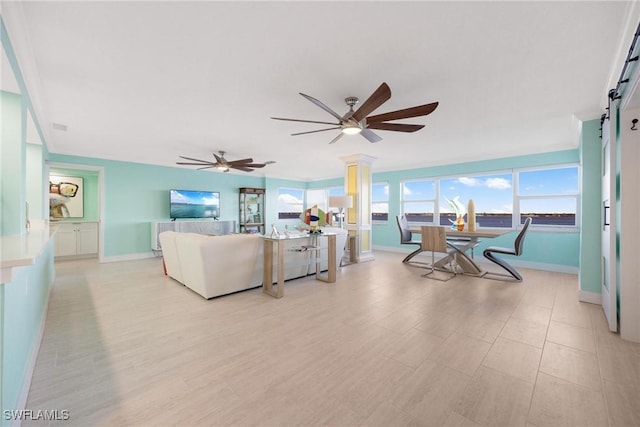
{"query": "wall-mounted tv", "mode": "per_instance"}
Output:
(194, 204)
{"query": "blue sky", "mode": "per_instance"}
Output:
(207, 198)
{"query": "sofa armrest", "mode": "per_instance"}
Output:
(170, 255)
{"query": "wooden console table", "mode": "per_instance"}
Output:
(267, 261)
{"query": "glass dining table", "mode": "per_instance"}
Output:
(463, 241)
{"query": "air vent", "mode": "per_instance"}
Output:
(58, 126)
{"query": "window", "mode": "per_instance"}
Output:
(492, 197)
(550, 196)
(380, 201)
(290, 203)
(336, 191)
(418, 200)
(317, 196)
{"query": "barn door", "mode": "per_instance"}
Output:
(608, 212)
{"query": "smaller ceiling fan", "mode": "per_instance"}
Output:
(223, 165)
(359, 121)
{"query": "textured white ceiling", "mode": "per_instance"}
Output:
(149, 81)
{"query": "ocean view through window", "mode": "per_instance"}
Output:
(502, 200)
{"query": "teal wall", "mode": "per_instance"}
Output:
(12, 162)
(590, 239)
(24, 307)
(35, 183)
(327, 183)
(23, 299)
(137, 194)
(560, 248)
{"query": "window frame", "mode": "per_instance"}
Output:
(517, 198)
(434, 201)
(515, 195)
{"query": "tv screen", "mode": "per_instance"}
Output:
(194, 204)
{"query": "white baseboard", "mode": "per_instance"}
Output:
(128, 257)
(556, 268)
(590, 297)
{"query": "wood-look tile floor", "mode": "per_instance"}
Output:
(125, 345)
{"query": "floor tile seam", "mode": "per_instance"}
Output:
(572, 382)
(505, 373)
(575, 348)
(443, 366)
(605, 399)
(532, 384)
(535, 382)
(571, 324)
(580, 386)
(399, 409)
(600, 362)
(466, 418)
(533, 394)
(413, 368)
(528, 345)
(509, 375)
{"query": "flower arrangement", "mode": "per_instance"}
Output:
(460, 212)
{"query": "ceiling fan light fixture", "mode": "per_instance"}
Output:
(351, 129)
(223, 168)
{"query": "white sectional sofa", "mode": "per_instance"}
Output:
(218, 265)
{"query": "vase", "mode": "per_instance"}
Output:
(460, 223)
(471, 215)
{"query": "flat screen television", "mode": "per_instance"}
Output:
(194, 204)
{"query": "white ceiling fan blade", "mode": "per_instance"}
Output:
(304, 121)
(370, 135)
(336, 138)
(314, 131)
(219, 159)
(324, 107)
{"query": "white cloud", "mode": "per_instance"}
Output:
(498, 183)
(469, 182)
(405, 190)
(380, 207)
(288, 198)
(386, 189)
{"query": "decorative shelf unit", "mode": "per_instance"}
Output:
(252, 210)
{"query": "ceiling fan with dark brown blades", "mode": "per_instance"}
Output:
(359, 121)
(246, 165)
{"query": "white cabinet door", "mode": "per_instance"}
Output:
(87, 238)
(65, 240)
(76, 238)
